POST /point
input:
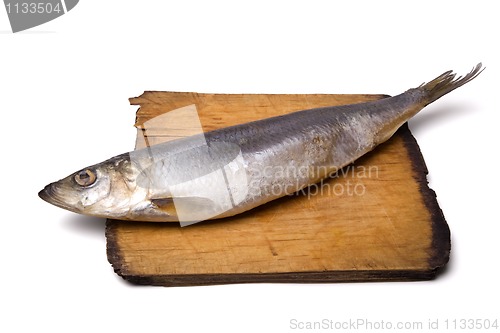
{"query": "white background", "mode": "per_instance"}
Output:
(64, 89)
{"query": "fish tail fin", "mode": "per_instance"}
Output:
(447, 82)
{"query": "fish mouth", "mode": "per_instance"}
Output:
(44, 194)
(49, 195)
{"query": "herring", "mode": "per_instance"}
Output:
(231, 170)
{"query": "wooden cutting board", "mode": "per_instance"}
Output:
(376, 221)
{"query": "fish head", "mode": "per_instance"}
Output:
(106, 189)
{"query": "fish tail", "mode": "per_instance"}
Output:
(447, 82)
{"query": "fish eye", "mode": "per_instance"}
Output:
(85, 178)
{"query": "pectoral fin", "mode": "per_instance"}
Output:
(184, 207)
(166, 205)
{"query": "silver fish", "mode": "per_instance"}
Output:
(234, 169)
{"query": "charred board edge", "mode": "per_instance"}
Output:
(143, 99)
(290, 277)
(116, 259)
(441, 237)
(113, 251)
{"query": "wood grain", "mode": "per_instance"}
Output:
(377, 220)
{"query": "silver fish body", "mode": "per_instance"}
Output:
(234, 169)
